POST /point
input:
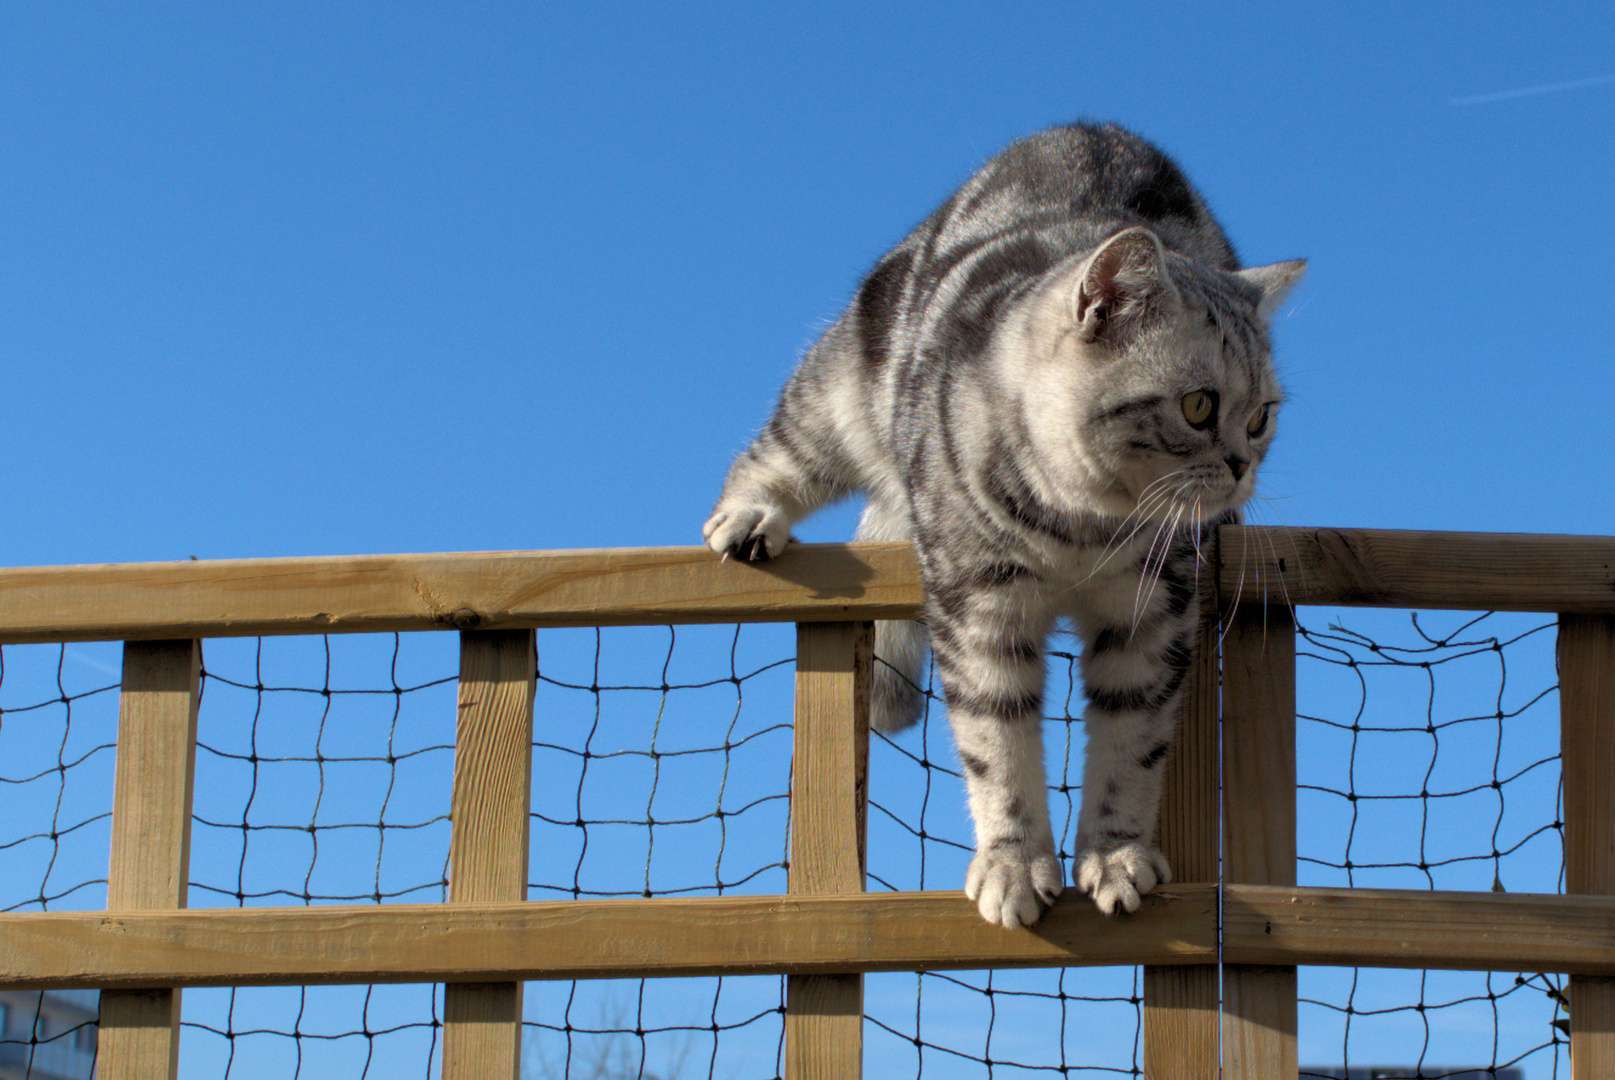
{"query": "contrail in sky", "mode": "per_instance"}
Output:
(1532, 91)
(90, 661)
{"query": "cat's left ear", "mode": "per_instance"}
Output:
(1119, 285)
(1275, 280)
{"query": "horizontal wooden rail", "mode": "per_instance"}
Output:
(1258, 927)
(809, 583)
(1393, 568)
(486, 591)
(1408, 928)
(509, 941)
(1262, 924)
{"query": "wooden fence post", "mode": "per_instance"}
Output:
(824, 1014)
(1181, 1002)
(1258, 761)
(1587, 746)
(151, 841)
(493, 756)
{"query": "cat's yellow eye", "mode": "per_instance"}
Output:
(1198, 406)
(1258, 422)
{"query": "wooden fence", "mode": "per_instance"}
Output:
(1239, 721)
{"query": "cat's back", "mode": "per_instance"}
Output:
(1075, 185)
(924, 313)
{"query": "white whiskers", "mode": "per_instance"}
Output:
(1152, 498)
(1161, 545)
(1262, 505)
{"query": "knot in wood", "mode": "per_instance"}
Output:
(465, 619)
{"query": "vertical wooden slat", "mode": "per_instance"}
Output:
(488, 846)
(151, 841)
(1258, 760)
(1587, 744)
(824, 1018)
(1181, 1016)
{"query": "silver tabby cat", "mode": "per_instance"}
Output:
(1056, 386)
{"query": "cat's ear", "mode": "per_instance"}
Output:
(1120, 283)
(1275, 280)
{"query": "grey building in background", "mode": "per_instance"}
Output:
(48, 1036)
(1401, 1072)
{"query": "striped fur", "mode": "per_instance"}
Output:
(1056, 386)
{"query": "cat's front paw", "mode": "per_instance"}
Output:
(1119, 877)
(1013, 888)
(751, 533)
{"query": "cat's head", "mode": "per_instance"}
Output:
(1148, 378)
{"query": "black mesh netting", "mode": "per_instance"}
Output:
(1428, 759)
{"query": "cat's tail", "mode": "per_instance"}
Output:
(898, 696)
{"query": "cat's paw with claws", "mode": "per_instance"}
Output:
(750, 533)
(1117, 879)
(1013, 888)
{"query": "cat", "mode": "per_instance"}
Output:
(1057, 387)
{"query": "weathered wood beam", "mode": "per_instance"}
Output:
(824, 1015)
(493, 756)
(149, 863)
(487, 591)
(1387, 568)
(1587, 746)
(1182, 1027)
(1263, 924)
(1405, 928)
(1260, 1014)
(586, 939)
(809, 583)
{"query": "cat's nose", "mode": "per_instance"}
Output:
(1237, 465)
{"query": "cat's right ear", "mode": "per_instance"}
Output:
(1118, 285)
(1275, 281)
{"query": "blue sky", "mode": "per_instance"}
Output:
(321, 279)
(310, 279)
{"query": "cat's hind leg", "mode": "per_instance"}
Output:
(897, 697)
